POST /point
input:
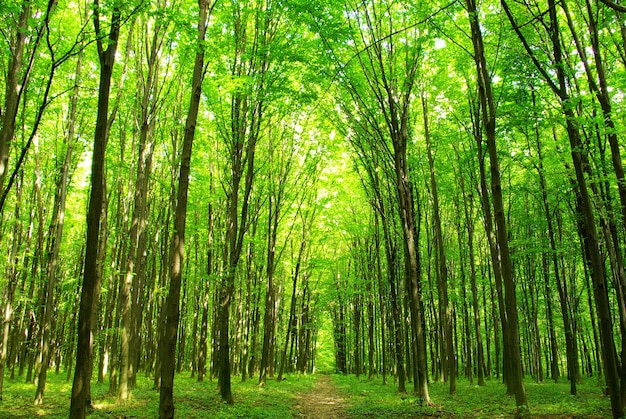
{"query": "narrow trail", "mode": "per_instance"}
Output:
(322, 402)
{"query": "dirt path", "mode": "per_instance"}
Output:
(322, 402)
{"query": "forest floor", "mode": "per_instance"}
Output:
(313, 396)
(323, 401)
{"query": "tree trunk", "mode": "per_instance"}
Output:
(468, 211)
(269, 321)
(601, 91)
(448, 355)
(13, 90)
(202, 351)
(80, 387)
(291, 324)
(545, 265)
(390, 254)
(371, 325)
(493, 252)
(570, 336)
(488, 113)
(172, 305)
(54, 245)
(584, 207)
(9, 293)
(382, 309)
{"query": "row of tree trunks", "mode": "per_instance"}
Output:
(126, 326)
(448, 358)
(584, 206)
(135, 267)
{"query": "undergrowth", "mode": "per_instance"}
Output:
(370, 399)
(192, 400)
(363, 399)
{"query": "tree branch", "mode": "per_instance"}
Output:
(614, 6)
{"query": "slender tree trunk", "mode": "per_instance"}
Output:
(382, 306)
(371, 325)
(80, 387)
(584, 207)
(601, 91)
(269, 322)
(54, 245)
(357, 308)
(131, 312)
(545, 265)
(25, 324)
(599, 87)
(494, 254)
(488, 112)
(9, 292)
(13, 91)
(202, 352)
(468, 210)
(390, 254)
(570, 338)
(171, 307)
(447, 355)
(412, 272)
(291, 324)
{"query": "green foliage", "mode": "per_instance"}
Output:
(317, 101)
(325, 350)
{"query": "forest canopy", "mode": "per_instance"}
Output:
(415, 192)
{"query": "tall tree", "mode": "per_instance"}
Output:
(90, 287)
(448, 358)
(380, 81)
(487, 105)
(254, 28)
(55, 236)
(468, 212)
(177, 251)
(16, 79)
(150, 100)
(584, 205)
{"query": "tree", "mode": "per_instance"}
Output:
(445, 308)
(90, 286)
(584, 206)
(172, 305)
(379, 81)
(298, 190)
(149, 103)
(488, 113)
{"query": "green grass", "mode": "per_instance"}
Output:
(192, 400)
(370, 399)
(363, 399)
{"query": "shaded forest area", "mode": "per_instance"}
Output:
(242, 190)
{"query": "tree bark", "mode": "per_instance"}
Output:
(80, 386)
(291, 324)
(488, 113)
(468, 211)
(448, 355)
(13, 91)
(269, 321)
(54, 245)
(202, 351)
(584, 207)
(172, 305)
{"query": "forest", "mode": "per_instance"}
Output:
(209, 208)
